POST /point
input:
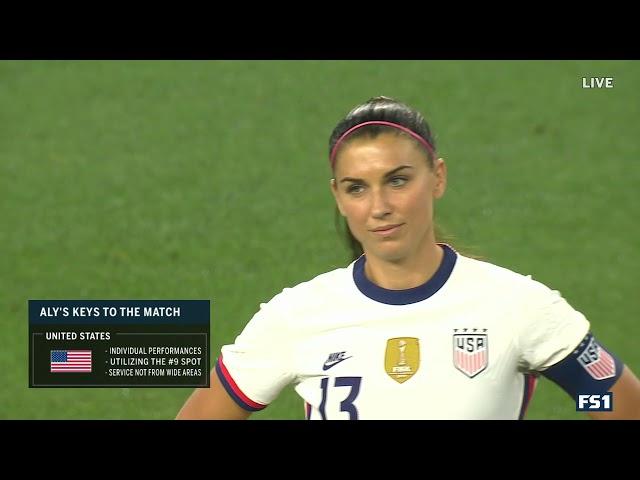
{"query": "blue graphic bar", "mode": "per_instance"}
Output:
(119, 312)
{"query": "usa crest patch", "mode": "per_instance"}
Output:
(470, 350)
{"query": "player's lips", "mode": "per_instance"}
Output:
(387, 230)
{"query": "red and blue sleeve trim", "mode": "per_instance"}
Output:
(529, 387)
(233, 390)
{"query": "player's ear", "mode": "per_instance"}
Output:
(334, 191)
(440, 173)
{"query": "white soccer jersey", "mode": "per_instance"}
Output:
(461, 346)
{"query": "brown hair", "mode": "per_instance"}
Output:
(383, 109)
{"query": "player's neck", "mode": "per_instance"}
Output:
(407, 273)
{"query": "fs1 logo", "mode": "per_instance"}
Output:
(594, 403)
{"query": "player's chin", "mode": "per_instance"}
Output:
(390, 251)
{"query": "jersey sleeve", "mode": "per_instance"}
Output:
(549, 328)
(257, 366)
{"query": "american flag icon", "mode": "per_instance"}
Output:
(71, 361)
(597, 361)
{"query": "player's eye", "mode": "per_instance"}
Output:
(355, 188)
(398, 181)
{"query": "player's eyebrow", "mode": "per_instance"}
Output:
(386, 175)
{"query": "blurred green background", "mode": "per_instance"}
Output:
(209, 180)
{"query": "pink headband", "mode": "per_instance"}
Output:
(332, 157)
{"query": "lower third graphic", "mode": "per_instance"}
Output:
(71, 361)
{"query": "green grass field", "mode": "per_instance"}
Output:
(209, 180)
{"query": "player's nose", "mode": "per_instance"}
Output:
(380, 205)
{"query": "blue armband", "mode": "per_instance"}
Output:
(590, 368)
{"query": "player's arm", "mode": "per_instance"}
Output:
(212, 403)
(249, 373)
(592, 369)
(626, 399)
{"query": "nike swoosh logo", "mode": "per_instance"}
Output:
(328, 365)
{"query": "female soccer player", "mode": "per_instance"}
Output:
(411, 329)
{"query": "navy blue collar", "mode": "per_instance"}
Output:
(411, 295)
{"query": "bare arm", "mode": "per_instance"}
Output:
(212, 403)
(626, 399)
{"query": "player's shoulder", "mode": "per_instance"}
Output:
(485, 275)
(316, 291)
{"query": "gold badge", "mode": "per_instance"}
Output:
(402, 358)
